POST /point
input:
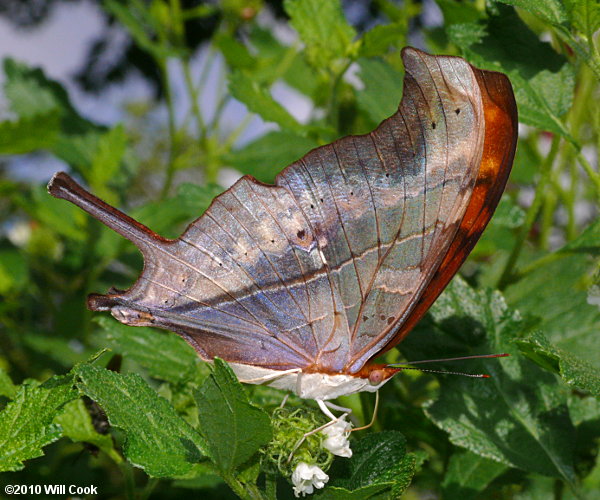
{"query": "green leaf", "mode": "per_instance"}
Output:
(233, 428)
(543, 80)
(552, 11)
(141, 25)
(584, 16)
(157, 439)
(323, 29)
(60, 216)
(469, 474)
(169, 217)
(13, 271)
(383, 89)
(33, 96)
(273, 58)
(559, 305)
(459, 12)
(106, 161)
(7, 388)
(265, 157)
(29, 134)
(78, 150)
(572, 369)
(236, 54)
(519, 416)
(379, 462)
(205, 477)
(378, 40)
(30, 93)
(258, 100)
(165, 355)
(76, 424)
(588, 241)
(527, 161)
(574, 21)
(338, 493)
(60, 349)
(26, 422)
(509, 214)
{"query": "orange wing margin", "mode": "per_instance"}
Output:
(500, 111)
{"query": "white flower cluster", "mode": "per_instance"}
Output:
(337, 438)
(308, 477)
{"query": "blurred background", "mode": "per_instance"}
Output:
(157, 106)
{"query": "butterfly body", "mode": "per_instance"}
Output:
(307, 385)
(302, 284)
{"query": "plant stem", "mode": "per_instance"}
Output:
(271, 487)
(542, 261)
(247, 491)
(148, 489)
(592, 174)
(172, 129)
(530, 216)
(332, 104)
(194, 97)
(127, 471)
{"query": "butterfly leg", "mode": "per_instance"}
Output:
(329, 404)
(271, 376)
(284, 401)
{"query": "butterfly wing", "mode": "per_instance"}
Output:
(389, 207)
(501, 132)
(320, 271)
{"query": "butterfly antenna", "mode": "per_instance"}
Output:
(403, 366)
(444, 372)
(461, 358)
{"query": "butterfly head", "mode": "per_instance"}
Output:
(377, 374)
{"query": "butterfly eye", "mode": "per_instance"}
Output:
(376, 377)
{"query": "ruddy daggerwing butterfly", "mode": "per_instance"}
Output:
(302, 284)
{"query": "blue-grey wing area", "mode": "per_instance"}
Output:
(319, 271)
(241, 283)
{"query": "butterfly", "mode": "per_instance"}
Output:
(300, 285)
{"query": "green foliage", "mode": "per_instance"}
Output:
(158, 411)
(379, 463)
(157, 439)
(280, 147)
(76, 423)
(323, 28)
(544, 80)
(572, 369)
(468, 474)
(165, 357)
(258, 100)
(502, 419)
(233, 427)
(382, 89)
(26, 424)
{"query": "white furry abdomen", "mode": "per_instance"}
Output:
(306, 385)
